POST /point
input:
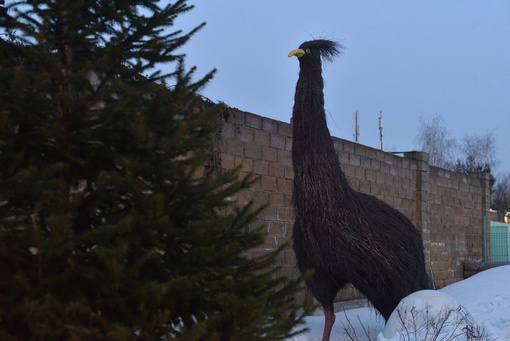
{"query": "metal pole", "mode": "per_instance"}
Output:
(380, 131)
(484, 222)
(355, 128)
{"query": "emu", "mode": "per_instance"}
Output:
(341, 235)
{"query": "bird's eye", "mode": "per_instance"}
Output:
(307, 51)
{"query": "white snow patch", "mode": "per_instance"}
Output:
(428, 315)
(485, 297)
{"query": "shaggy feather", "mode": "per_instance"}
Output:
(327, 49)
(344, 236)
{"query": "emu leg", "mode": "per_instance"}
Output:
(329, 316)
(323, 285)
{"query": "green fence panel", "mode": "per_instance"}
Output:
(500, 242)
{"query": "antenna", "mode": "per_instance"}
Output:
(380, 131)
(355, 127)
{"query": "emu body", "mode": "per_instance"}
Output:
(344, 236)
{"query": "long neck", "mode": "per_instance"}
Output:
(314, 158)
(309, 118)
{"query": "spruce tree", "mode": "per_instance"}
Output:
(109, 227)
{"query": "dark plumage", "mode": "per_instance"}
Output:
(344, 236)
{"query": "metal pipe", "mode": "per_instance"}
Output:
(484, 222)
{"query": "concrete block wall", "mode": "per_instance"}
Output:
(458, 204)
(445, 206)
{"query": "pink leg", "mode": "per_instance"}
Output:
(329, 315)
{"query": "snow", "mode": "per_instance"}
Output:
(427, 315)
(480, 303)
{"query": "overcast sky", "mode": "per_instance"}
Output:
(404, 58)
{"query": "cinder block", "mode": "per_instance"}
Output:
(364, 187)
(253, 121)
(284, 157)
(370, 175)
(285, 214)
(380, 155)
(394, 170)
(338, 144)
(260, 198)
(354, 160)
(261, 137)
(235, 147)
(284, 185)
(268, 183)
(276, 228)
(244, 196)
(288, 199)
(380, 178)
(348, 147)
(288, 172)
(359, 173)
(343, 158)
(227, 130)
(290, 257)
(449, 281)
(244, 134)
(287, 271)
(289, 229)
(284, 129)
(237, 116)
(369, 152)
(354, 182)
(277, 141)
(276, 199)
(252, 151)
(260, 167)
(276, 169)
(245, 164)
(270, 154)
(348, 170)
(288, 143)
(282, 240)
(269, 125)
(270, 243)
(389, 200)
(269, 213)
(375, 165)
(385, 168)
(365, 162)
(227, 161)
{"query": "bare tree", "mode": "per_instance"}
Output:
(477, 153)
(435, 139)
(500, 196)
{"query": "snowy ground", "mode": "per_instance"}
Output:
(486, 296)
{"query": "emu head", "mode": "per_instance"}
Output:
(315, 51)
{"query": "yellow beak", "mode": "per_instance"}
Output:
(298, 53)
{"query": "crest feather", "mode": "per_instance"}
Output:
(328, 49)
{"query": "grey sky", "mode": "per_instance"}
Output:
(404, 58)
